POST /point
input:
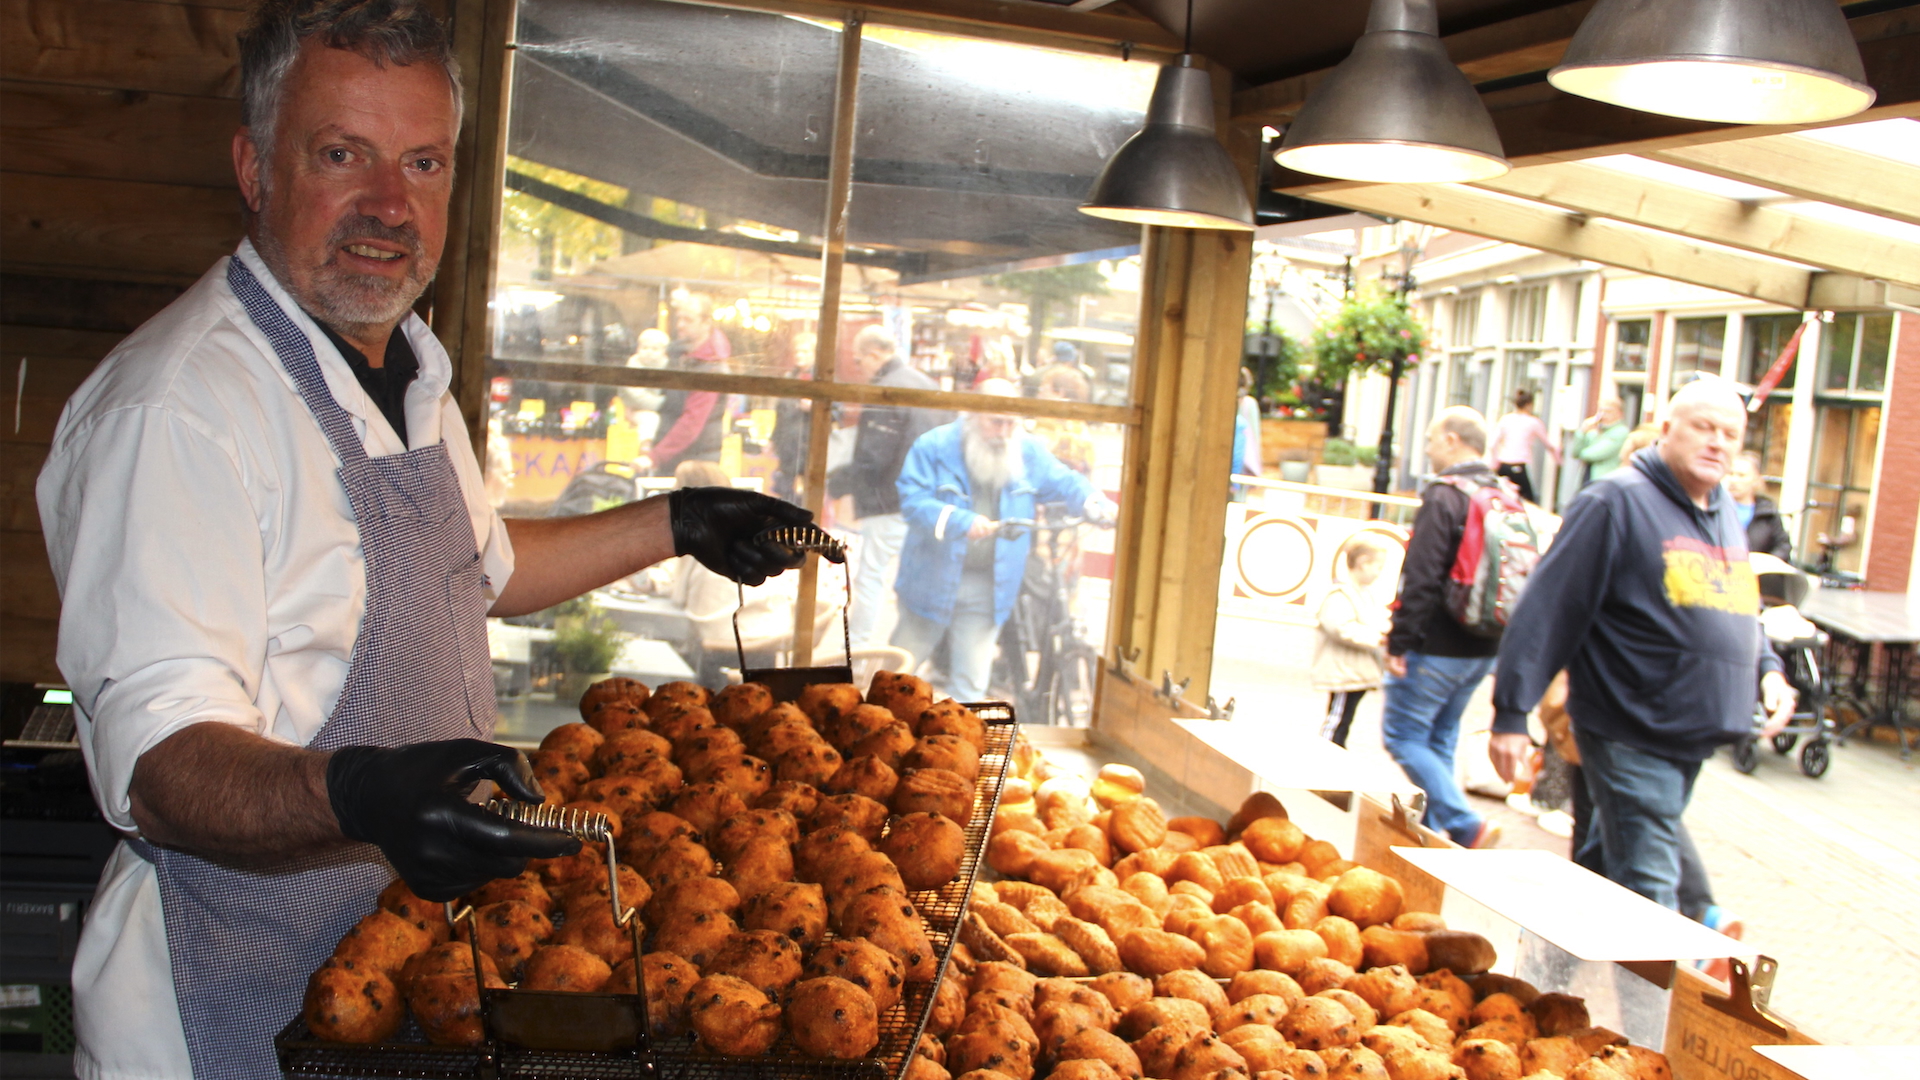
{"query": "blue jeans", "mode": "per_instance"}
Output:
(1638, 798)
(971, 636)
(1421, 726)
(881, 537)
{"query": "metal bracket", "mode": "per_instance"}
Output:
(1406, 817)
(1747, 993)
(1170, 691)
(1125, 660)
(1217, 711)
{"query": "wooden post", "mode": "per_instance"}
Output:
(482, 30)
(1174, 498)
(827, 341)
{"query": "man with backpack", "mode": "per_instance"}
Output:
(1434, 662)
(1649, 602)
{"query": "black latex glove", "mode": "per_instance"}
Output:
(411, 803)
(717, 525)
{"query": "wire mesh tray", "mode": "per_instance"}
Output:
(303, 1057)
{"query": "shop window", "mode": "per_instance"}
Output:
(1525, 371)
(1854, 351)
(666, 192)
(1698, 344)
(1465, 321)
(1839, 492)
(1460, 379)
(1527, 314)
(1630, 338)
(1765, 336)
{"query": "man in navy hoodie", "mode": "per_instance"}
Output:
(1649, 602)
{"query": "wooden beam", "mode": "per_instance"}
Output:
(772, 386)
(1536, 226)
(1609, 193)
(123, 45)
(115, 227)
(112, 135)
(1810, 169)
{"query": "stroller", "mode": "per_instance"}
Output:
(1799, 644)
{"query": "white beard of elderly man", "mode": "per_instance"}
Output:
(959, 572)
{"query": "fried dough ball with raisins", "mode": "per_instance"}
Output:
(669, 980)
(384, 942)
(739, 705)
(905, 696)
(831, 1017)
(447, 1007)
(732, 1017)
(949, 717)
(796, 909)
(928, 849)
(857, 812)
(525, 888)
(855, 726)
(612, 717)
(559, 773)
(863, 964)
(935, 791)
(811, 762)
(678, 692)
(681, 722)
(732, 834)
(826, 703)
(796, 798)
(890, 744)
(352, 1002)
(705, 806)
(676, 860)
(576, 739)
(765, 861)
(768, 960)
(949, 752)
(565, 967)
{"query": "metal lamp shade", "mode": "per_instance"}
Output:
(1728, 61)
(1173, 171)
(1396, 110)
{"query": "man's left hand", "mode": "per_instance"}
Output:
(1778, 698)
(719, 526)
(1509, 751)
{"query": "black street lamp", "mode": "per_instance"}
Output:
(1383, 464)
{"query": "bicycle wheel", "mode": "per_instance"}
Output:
(1746, 754)
(1076, 672)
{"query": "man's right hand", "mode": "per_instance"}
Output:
(982, 528)
(719, 526)
(1397, 666)
(1509, 751)
(411, 803)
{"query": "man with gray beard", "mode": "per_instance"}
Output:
(276, 560)
(959, 576)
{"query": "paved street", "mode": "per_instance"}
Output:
(1825, 873)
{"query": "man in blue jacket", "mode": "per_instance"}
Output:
(958, 577)
(1649, 602)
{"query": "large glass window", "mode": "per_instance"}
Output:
(1839, 496)
(1698, 344)
(1854, 351)
(1527, 314)
(1630, 338)
(662, 308)
(1765, 336)
(1465, 321)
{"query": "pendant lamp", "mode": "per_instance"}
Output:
(1396, 110)
(1728, 61)
(1173, 171)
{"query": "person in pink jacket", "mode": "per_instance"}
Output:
(1513, 440)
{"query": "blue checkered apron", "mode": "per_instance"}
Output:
(244, 941)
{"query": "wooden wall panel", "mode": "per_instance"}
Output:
(118, 134)
(116, 226)
(123, 45)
